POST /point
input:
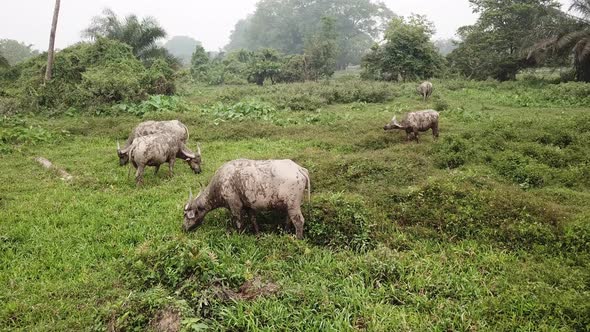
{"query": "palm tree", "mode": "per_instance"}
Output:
(140, 34)
(51, 50)
(571, 38)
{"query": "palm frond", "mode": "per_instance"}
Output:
(582, 7)
(140, 34)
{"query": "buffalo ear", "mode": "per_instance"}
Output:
(187, 152)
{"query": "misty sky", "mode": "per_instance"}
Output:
(209, 21)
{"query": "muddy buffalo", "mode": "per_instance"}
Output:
(157, 149)
(173, 128)
(415, 122)
(425, 90)
(245, 186)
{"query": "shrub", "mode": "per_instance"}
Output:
(339, 221)
(521, 170)
(155, 104)
(86, 75)
(113, 82)
(480, 209)
(251, 109)
(453, 152)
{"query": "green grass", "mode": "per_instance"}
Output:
(487, 228)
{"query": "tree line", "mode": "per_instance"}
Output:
(299, 40)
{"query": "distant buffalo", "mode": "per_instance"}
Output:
(245, 186)
(425, 90)
(415, 122)
(157, 149)
(173, 128)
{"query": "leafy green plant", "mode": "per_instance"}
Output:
(155, 104)
(247, 110)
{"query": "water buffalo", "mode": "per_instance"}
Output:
(415, 122)
(156, 149)
(174, 128)
(245, 186)
(425, 90)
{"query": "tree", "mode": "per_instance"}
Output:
(140, 34)
(15, 52)
(4, 62)
(495, 46)
(286, 25)
(50, 51)
(264, 64)
(199, 64)
(182, 47)
(407, 53)
(572, 36)
(321, 50)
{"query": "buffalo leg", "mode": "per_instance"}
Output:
(287, 224)
(298, 221)
(139, 175)
(435, 131)
(157, 169)
(236, 216)
(252, 217)
(171, 167)
(416, 135)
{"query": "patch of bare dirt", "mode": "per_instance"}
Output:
(250, 290)
(167, 320)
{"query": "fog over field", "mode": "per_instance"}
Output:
(207, 21)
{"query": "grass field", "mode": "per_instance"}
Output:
(486, 229)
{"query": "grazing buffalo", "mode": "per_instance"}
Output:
(415, 122)
(156, 149)
(174, 128)
(245, 186)
(425, 90)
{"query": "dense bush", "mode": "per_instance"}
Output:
(480, 209)
(453, 152)
(87, 75)
(339, 221)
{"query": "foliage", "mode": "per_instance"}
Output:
(247, 110)
(322, 50)
(264, 64)
(199, 64)
(3, 62)
(570, 35)
(16, 131)
(339, 221)
(15, 52)
(140, 34)
(496, 44)
(88, 75)
(286, 25)
(407, 52)
(155, 104)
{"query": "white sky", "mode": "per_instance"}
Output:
(209, 21)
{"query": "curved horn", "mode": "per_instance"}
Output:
(198, 149)
(118, 146)
(190, 194)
